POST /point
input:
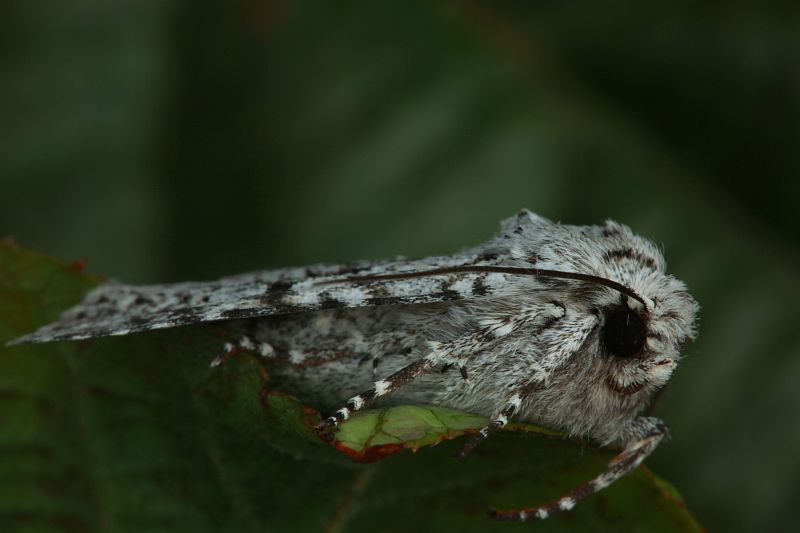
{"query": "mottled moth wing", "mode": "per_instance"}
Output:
(118, 309)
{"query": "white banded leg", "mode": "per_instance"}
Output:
(381, 388)
(646, 433)
(499, 422)
(244, 343)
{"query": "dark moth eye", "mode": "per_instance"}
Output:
(624, 332)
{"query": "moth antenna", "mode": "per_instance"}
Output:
(519, 271)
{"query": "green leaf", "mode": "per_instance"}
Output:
(138, 433)
(376, 433)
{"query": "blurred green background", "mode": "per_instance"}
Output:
(167, 140)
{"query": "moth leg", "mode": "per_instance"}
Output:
(244, 344)
(381, 388)
(511, 406)
(644, 434)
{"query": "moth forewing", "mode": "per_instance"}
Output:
(118, 309)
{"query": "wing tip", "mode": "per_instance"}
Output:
(18, 341)
(27, 339)
(41, 337)
(30, 338)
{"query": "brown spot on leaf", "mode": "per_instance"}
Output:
(370, 454)
(79, 265)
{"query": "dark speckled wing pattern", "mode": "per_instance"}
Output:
(118, 309)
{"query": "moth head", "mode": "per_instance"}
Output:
(644, 315)
(641, 343)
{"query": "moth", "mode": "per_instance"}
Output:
(569, 327)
